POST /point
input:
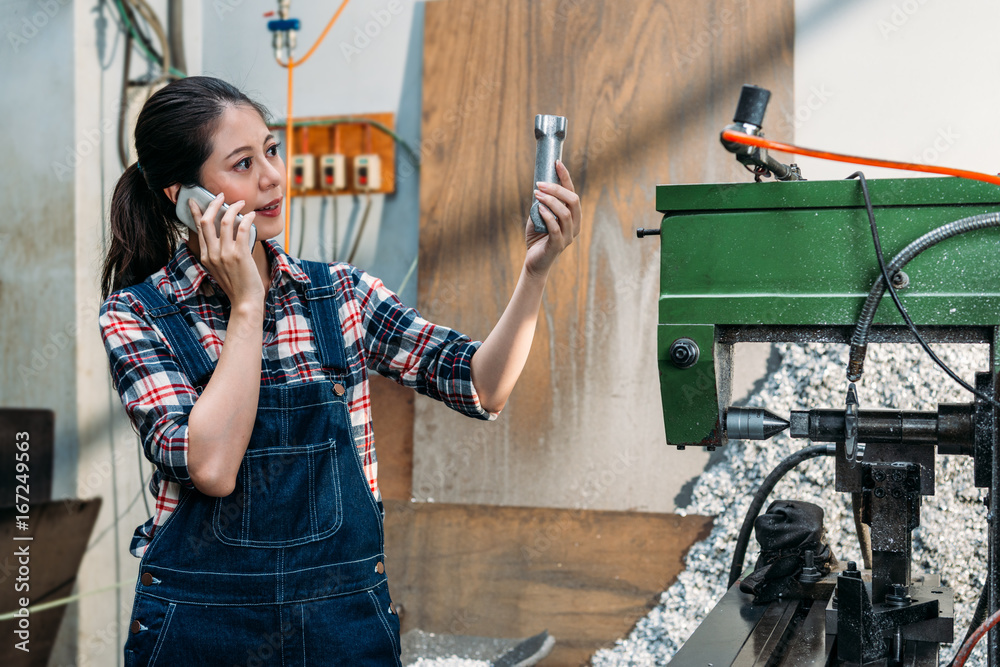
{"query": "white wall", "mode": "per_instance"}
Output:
(909, 80)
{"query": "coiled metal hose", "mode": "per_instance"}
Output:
(859, 341)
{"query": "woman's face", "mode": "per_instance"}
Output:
(245, 164)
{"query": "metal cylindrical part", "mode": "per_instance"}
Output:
(753, 424)
(550, 131)
(951, 428)
(956, 429)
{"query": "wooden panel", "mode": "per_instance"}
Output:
(39, 425)
(646, 85)
(586, 576)
(392, 415)
(59, 530)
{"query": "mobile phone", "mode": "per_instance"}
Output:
(203, 198)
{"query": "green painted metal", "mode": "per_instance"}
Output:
(694, 392)
(800, 254)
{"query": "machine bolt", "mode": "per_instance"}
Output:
(899, 597)
(900, 280)
(852, 570)
(810, 573)
(897, 492)
(879, 492)
(878, 476)
(684, 353)
(897, 476)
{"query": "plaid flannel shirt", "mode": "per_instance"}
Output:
(380, 334)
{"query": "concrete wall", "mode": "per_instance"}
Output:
(39, 324)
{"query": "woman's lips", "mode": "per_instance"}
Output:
(272, 210)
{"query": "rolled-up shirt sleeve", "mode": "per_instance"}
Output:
(157, 395)
(434, 360)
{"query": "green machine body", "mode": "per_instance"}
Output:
(794, 262)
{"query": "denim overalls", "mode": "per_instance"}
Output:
(288, 569)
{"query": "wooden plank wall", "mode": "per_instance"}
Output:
(646, 85)
(585, 576)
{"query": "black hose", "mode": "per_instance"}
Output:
(772, 479)
(859, 341)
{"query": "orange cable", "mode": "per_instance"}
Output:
(322, 35)
(289, 123)
(760, 142)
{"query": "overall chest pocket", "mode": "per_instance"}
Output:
(284, 496)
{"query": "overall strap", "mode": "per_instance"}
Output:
(320, 297)
(193, 359)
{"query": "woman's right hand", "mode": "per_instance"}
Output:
(229, 260)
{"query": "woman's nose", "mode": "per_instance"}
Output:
(272, 175)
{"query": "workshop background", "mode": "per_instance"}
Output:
(559, 516)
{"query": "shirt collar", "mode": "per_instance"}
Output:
(186, 273)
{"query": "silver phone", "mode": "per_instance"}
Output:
(203, 198)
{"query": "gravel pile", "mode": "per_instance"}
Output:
(951, 539)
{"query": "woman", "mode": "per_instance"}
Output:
(245, 375)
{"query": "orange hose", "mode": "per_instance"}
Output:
(760, 142)
(322, 35)
(966, 649)
(289, 124)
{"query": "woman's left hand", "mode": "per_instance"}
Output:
(559, 206)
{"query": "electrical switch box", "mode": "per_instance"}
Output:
(367, 172)
(333, 171)
(303, 176)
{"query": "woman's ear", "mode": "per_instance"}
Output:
(171, 192)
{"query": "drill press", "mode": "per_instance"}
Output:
(794, 262)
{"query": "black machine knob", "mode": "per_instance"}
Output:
(642, 233)
(752, 105)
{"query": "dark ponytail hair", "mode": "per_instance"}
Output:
(173, 139)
